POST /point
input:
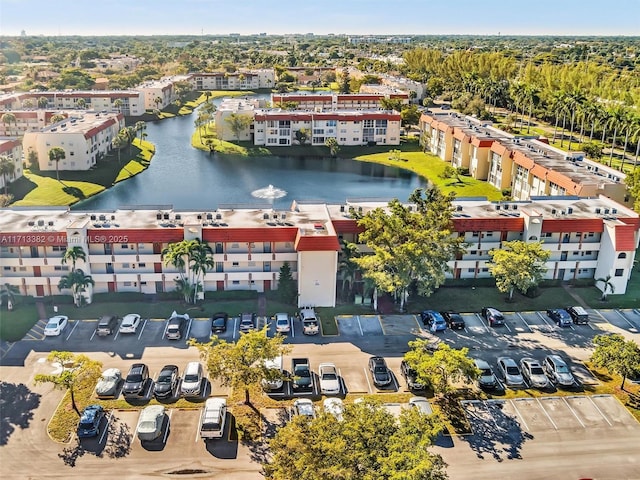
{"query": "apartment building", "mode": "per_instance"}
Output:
(276, 127)
(527, 166)
(129, 102)
(158, 94)
(11, 148)
(587, 238)
(84, 137)
(239, 80)
(28, 121)
(319, 102)
(238, 106)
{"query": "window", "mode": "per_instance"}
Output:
(236, 282)
(476, 234)
(489, 234)
(619, 272)
(622, 255)
(127, 284)
(61, 268)
(252, 264)
(124, 246)
(472, 270)
(236, 264)
(142, 265)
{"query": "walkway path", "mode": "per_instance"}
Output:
(575, 296)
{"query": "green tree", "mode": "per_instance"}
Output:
(43, 102)
(77, 370)
(241, 364)
(345, 82)
(81, 103)
(76, 281)
(32, 160)
(9, 118)
(9, 292)
(118, 103)
(201, 120)
(73, 254)
(616, 355)
(607, 286)
(287, 288)
(119, 142)
(410, 115)
(347, 268)
(410, 244)
(369, 443)
(7, 169)
(238, 122)
(57, 117)
(518, 265)
(208, 107)
(302, 136)
(333, 146)
(192, 259)
(442, 367)
(55, 155)
(633, 187)
(140, 126)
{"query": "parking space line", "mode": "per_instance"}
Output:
(293, 330)
(199, 423)
(507, 325)
(189, 327)
(142, 329)
(107, 426)
(599, 411)
(525, 322)
(573, 411)
(366, 376)
(360, 325)
(519, 414)
(602, 316)
(493, 419)
(116, 335)
(547, 414)
(76, 323)
(625, 319)
(551, 326)
(235, 327)
(482, 322)
(166, 432)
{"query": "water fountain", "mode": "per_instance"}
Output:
(269, 192)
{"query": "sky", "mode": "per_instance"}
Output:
(354, 17)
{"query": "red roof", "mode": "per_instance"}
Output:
(482, 142)
(316, 243)
(625, 238)
(346, 226)
(572, 225)
(8, 145)
(499, 224)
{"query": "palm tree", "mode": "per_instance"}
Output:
(43, 102)
(617, 118)
(201, 120)
(348, 268)
(81, 103)
(140, 127)
(158, 102)
(73, 254)
(176, 255)
(556, 105)
(28, 103)
(332, 143)
(9, 291)
(118, 142)
(57, 117)
(77, 282)
(531, 95)
(118, 104)
(630, 122)
(7, 169)
(55, 155)
(607, 286)
(9, 118)
(576, 99)
(201, 259)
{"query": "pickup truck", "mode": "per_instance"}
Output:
(301, 373)
(310, 323)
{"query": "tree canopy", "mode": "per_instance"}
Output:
(617, 355)
(369, 443)
(518, 265)
(411, 244)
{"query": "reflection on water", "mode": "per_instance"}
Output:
(187, 178)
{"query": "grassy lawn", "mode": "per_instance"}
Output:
(14, 325)
(49, 191)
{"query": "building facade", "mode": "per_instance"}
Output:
(12, 149)
(239, 80)
(128, 102)
(587, 238)
(320, 102)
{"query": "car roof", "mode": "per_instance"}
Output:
(507, 361)
(169, 367)
(481, 363)
(215, 402)
(111, 372)
(530, 361)
(57, 318)
(556, 358)
(152, 411)
(220, 315)
(130, 317)
(282, 316)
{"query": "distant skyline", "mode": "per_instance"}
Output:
(355, 17)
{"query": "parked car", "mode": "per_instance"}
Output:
(410, 376)
(379, 372)
(558, 371)
(55, 325)
(136, 381)
(510, 371)
(433, 321)
(176, 325)
(334, 406)
(422, 404)
(487, 378)
(534, 374)
(304, 407)
(310, 323)
(106, 325)
(214, 418)
(219, 322)
(129, 323)
(109, 383)
(283, 324)
(302, 378)
(274, 368)
(191, 385)
(329, 380)
(90, 419)
(454, 320)
(560, 316)
(247, 322)
(150, 423)
(493, 316)
(579, 315)
(167, 382)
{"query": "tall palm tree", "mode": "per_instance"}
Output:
(201, 260)
(628, 126)
(9, 291)
(347, 268)
(118, 104)
(607, 286)
(55, 155)
(76, 281)
(557, 107)
(158, 102)
(7, 169)
(9, 118)
(73, 254)
(140, 127)
(532, 98)
(616, 120)
(43, 102)
(576, 99)
(118, 142)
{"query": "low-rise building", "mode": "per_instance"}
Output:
(238, 80)
(320, 102)
(128, 102)
(158, 94)
(84, 137)
(12, 149)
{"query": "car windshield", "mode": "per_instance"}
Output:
(562, 369)
(329, 376)
(52, 325)
(537, 371)
(191, 378)
(109, 378)
(486, 372)
(218, 321)
(134, 378)
(282, 321)
(302, 373)
(211, 426)
(147, 425)
(164, 378)
(380, 369)
(86, 424)
(513, 371)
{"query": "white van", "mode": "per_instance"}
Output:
(191, 385)
(213, 418)
(273, 384)
(310, 323)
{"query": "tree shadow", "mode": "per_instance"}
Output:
(17, 403)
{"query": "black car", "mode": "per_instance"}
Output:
(247, 322)
(134, 384)
(219, 322)
(167, 382)
(106, 325)
(411, 376)
(454, 320)
(493, 316)
(379, 372)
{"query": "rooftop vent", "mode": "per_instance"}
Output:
(458, 208)
(218, 216)
(209, 216)
(569, 210)
(50, 223)
(93, 217)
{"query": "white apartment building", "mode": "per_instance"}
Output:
(158, 94)
(239, 80)
(84, 138)
(319, 102)
(238, 106)
(27, 121)
(132, 101)
(12, 148)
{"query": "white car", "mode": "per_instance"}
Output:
(334, 406)
(304, 407)
(533, 372)
(283, 325)
(510, 371)
(150, 423)
(422, 404)
(130, 323)
(56, 325)
(558, 370)
(329, 379)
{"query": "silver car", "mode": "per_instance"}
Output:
(533, 372)
(510, 371)
(558, 371)
(109, 383)
(150, 423)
